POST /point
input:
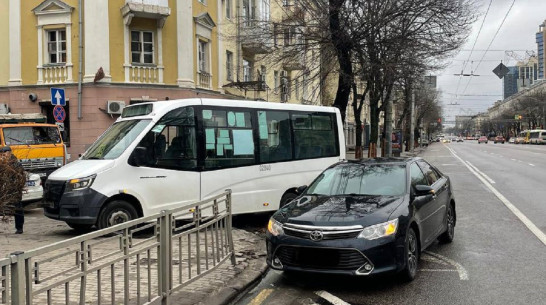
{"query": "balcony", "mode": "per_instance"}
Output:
(293, 60)
(54, 74)
(151, 9)
(144, 74)
(256, 37)
(204, 80)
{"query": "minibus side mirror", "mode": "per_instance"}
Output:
(139, 156)
(63, 135)
(301, 189)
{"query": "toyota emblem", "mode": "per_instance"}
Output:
(316, 235)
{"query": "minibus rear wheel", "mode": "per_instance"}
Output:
(116, 212)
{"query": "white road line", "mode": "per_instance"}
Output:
(513, 159)
(463, 274)
(484, 175)
(330, 298)
(531, 164)
(526, 221)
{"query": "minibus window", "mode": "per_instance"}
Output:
(116, 140)
(172, 143)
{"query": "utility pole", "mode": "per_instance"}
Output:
(388, 129)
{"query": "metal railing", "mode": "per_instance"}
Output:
(204, 80)
(142, 261)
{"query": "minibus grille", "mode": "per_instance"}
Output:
(53, 191)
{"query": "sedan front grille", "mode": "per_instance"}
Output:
(328, 233)
(321, 258)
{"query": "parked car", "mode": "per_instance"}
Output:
(460, 139)
(499, 139)
(423, 142)
(482, 139)
(33, 190)
(364, 218)
(512, 140)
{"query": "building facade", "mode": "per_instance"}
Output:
(540, 38)
(118, 52)
(510, 82)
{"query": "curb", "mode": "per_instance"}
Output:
(246, 279)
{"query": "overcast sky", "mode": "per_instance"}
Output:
(476, 94)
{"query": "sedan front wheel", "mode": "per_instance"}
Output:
(411, 255)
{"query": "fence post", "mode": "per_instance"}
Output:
(164, 256)
(230, 228)
(17, 279)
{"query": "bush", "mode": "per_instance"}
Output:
(12, 183)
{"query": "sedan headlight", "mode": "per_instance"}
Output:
(380, 230)
(274, 227)
(80, 183)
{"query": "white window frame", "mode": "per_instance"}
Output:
(228, 9)
(58, 46)
(229, 65)
(248, 67)
(203, 60)
(141, 51)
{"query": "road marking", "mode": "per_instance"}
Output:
(531, 164)
(260, 298)
(449, 164)
(513, 159)
(330, 298)
(526, 221)
(484, 175)
(463, 274)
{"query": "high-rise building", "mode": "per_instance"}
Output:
(527, 72)
(511, 82)
(540, 38)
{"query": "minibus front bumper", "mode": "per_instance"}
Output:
(78, 207)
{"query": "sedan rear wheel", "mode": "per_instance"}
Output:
(411, 256)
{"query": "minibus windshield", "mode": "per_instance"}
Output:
(116, 140)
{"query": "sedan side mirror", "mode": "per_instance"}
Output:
(301, 189)
(423, 190)
(139, 156)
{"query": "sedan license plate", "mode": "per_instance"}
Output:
(31, 183)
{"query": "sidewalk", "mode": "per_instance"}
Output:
(217, 287)
(350, 154)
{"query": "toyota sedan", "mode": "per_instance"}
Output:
(363, 218)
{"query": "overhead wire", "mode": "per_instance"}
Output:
(490, 43)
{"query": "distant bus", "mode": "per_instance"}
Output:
(537, 136)
(163, 155)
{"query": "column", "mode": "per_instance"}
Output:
(97, 40)
(41, 55)
(15, 43)
(185, 41)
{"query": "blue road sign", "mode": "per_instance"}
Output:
(57, 97)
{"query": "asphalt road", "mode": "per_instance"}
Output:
(497, 256)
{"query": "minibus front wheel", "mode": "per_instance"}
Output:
(116, 212)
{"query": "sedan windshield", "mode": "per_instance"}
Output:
(116, 140)
(358, 179)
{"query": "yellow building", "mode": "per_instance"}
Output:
(111, 53)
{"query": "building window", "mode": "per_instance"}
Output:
(247, 70)
(56, 46)
(142, 47)
(202, 1)
(275, 80)
(297, 89)
(229, 65)
(228, 9)
(203, 60)
(285, 86)
(285, 2)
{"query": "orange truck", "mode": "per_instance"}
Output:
(38, 146)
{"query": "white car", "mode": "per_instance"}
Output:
(33, 190)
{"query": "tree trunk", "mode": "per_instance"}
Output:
(357, 110)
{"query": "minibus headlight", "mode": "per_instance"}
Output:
(274, 227)
(80, 183)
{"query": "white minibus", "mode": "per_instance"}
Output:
(537, 136)
(163, 155)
